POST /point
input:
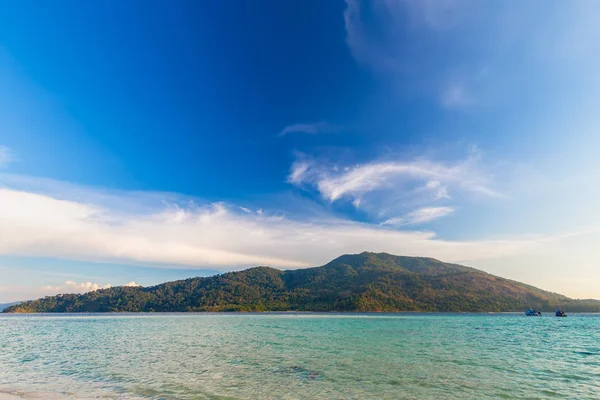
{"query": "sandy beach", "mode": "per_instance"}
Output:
(6, 396)
(13, 395)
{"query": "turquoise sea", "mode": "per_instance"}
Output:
(300, 356)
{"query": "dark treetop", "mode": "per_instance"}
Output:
(359, 282)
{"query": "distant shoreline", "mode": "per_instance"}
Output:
(374, 313)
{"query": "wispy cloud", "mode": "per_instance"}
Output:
(425, 214)
(474, 50)
(441, 191)
(404, 176)
(311, 129)
(363, 48)
(211, 235)
(6, 156)
(393, 45)
(299, 171)
(223, 237)
(387, 36)
(434, 14)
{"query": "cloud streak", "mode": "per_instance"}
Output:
(425, 214)
(357, 181)
(311, 129)
(392, 46)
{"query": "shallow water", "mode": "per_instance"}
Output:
(300, 356)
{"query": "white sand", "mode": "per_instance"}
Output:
(7, 395)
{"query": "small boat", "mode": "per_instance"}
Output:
(533, 313)
(560, 313)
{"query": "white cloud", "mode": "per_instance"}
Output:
(131, 284)
(213, 236)
(85, 287)
(246, 210)
(425, 214)
(223, 237)
(6, 156)
(434, 184)
(393, 176)
(441, 192)
(299, 168)
(311, 129)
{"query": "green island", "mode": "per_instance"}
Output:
(366, 282)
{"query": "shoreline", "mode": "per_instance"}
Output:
(9, 395)
(290, 313)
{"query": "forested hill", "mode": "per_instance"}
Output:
(360, 282)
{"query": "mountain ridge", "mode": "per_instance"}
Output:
(352, 282)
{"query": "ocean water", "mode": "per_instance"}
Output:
(300, 356)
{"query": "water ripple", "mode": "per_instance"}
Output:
(299, 356)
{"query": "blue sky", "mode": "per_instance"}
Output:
(144, 142)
